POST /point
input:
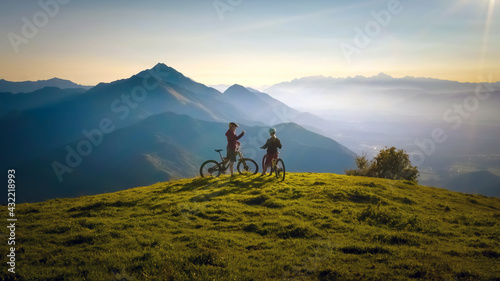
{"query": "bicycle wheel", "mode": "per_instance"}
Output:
(247, 166)
(210, 168)
(280, 169)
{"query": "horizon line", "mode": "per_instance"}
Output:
(260, 86)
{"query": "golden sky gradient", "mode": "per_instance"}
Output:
(253, 43)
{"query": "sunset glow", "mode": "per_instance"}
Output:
(253, 43)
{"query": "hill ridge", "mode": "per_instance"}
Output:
(31, 86)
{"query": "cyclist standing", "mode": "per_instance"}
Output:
(232, 143)
(272, 145)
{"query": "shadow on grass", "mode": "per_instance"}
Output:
(279, 230)
(357, 250)
(95, 209)
(102, 205)
(263, 200)
(197, 183)
(78, 240)
(225, 186)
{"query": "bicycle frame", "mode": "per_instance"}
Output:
(273, 161)
(280, 172)
(225, 161)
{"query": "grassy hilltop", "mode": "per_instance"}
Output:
(310, 227)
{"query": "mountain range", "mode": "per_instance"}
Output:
(12, 104)
(370, 113)
(31, 86)
(411, 96)
(154, 126)
(145, 123)
(479, 182)
(163, 147)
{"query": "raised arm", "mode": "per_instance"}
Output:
(241, 135)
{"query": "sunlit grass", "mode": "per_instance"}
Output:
(310, 227)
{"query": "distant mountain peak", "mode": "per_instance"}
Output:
(56, 79)
(168, 74)
(163, 68)
(164, 72)
(236, 88)
(382, 75)
(161, 64)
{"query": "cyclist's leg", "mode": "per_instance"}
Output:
(231, 155)
(231, 167)
(264, 169)
(268, 163)
(273, 157)
(265, 165)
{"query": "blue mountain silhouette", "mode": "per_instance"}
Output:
(154, 126)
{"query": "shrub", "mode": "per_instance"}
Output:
(365, 167)
(389, 164)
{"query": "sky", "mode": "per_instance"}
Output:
(249, 42)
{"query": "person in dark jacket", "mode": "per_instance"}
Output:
(232, 144)
(272, 145)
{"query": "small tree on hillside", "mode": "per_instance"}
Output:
(365, 167)
(389, 164)
(395, 164)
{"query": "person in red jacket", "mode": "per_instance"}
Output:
(232, 143)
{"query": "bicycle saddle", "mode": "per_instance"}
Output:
(219, 150)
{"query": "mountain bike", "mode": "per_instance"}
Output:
(214, 168)
(277, 167)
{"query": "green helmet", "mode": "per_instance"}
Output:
(272, 131)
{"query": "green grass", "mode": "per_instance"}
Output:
(310, 227)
